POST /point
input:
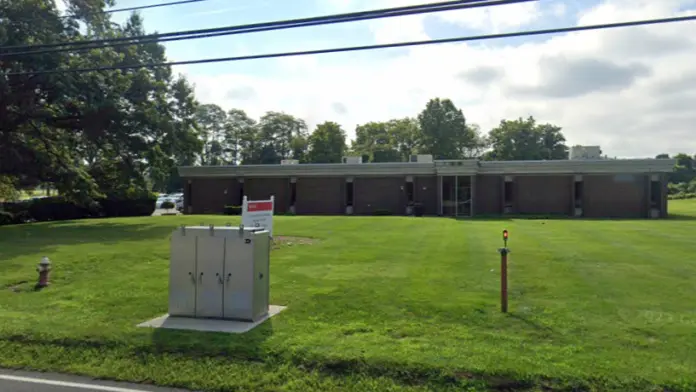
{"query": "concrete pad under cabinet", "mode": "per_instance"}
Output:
(209, 325)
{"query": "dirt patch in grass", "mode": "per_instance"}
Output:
(285, 241)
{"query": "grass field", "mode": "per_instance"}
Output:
(388, 303)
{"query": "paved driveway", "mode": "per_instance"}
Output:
(20, 381)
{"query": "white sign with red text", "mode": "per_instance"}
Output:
(258, 213)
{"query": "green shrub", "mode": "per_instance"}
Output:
(681, 196)
(381, 212)
(233, 210)
(56, 209)
(6, 218)
(117, 206)
(168, 205)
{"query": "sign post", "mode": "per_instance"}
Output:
(504, 251)
(258, 213)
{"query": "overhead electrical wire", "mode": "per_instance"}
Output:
(244, 29)
(144, 7)
(370, 47)
(275, 25)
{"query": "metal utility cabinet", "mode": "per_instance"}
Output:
(219, 272)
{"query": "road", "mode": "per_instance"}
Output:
(21, 381)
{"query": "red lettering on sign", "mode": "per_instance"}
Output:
(260, 206)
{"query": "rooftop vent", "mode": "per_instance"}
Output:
(422, 158)
(352, 160)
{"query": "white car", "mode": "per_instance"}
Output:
(161, 199)
(176, 198)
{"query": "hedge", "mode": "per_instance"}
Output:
(681, 196)
(58, 209)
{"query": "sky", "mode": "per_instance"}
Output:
(631, 91)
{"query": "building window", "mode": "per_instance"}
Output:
(578, 194)
(509, 193)
(655, 194)
(293, 193)
(189, 191)
(241, 193)
(349, 194)
(410, 194)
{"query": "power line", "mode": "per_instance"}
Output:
(243, 29)
(334, 18)
(371, 47)
(136, 8)
(142, 7)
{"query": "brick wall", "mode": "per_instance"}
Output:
(488, 195)
(545, 194)
(320, 195)
(263, 188)
(615, 196)
(379, 193)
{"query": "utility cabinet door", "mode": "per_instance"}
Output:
(211, 257)
(262, 262)
(239, 269)
(182, 275)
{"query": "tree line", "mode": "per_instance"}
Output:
(682, 181)
(440, 129)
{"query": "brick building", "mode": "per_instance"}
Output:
(631, 188)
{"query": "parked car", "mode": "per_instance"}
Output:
(161, 199)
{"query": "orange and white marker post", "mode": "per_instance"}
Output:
(504, 251)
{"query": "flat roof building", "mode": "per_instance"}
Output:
(600, 188)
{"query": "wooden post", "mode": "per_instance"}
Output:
(503, 281)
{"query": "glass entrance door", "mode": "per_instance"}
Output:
(464, 196)
(456, 196)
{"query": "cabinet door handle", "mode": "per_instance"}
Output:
(219, 278)
(229, 276)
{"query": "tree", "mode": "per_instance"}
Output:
(525, 140)
(327, 144)
(212, 122)
(181, 144)
(374, 141)
(475, 147)
(240, 136)
(277, 132)
(444, 132)
(405, 136)
(684, 170)
(79, 133)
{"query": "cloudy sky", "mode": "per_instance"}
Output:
(632, 90)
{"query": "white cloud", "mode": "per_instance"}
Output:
(496, 19)
(630, 90)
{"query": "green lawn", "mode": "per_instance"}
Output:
(383, 303)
